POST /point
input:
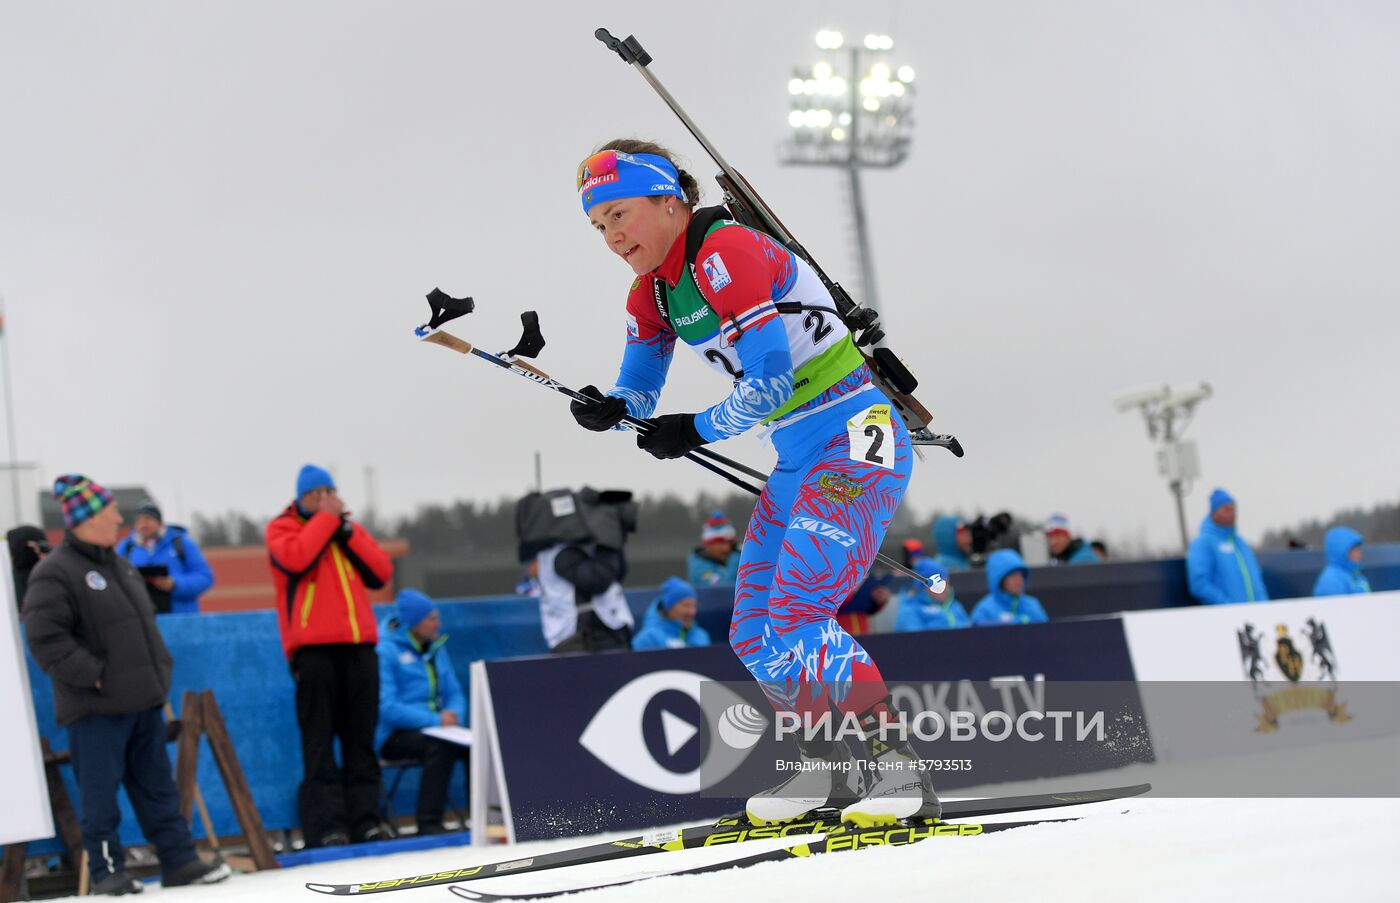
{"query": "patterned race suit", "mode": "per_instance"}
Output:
(759, 315)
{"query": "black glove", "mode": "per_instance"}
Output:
(602, 413)
(671, 436)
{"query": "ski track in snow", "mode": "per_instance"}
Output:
(1138, 849)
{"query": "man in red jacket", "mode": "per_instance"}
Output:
(322, 563)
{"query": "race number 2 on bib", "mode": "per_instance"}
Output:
(871, 436)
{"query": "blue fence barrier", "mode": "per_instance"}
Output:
(239, 656)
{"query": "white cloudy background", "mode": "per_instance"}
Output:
(218, 220)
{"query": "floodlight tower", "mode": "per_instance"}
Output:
(854, 113)
(1168, 413)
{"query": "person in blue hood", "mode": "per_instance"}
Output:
(1008, 602)
(1220, 566)
(670, 621)
(1342, 576)
(920, 609)
(418, 688)
(154, 545)
(953, 540)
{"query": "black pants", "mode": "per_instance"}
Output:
(592, 635)
(438, 758)
(112, 750)
(337, 697)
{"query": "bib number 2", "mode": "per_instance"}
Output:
(871, 437)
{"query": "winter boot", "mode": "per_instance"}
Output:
(826, 777)
(900, 785)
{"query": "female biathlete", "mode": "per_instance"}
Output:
(760, 316)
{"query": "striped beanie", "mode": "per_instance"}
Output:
(717, 527)
(1057, 523)
(81, 498)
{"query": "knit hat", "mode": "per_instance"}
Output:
(674, 591)
(1057, 523)
(413, 607)
(1219, 498)
(313, 477)
(150, 509)
(81, 498)
(717, 527)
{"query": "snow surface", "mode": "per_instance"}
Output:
(1145, 848)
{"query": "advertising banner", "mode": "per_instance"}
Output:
(24, 792)
(1262, 679)
(583, 744)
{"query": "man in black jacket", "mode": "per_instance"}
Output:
(92, 628)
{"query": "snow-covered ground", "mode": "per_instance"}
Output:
(1146, 848)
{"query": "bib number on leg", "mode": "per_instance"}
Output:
(871, 437)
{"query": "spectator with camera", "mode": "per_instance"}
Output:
(91, 627)
(1220, 566)
(670, 619)
(577, 539)
(323, 566)
(1342, 576)
(1008, 602)
(1064, 546)
(418, 688)
(716, 560)
(921, 609)
(169, 560)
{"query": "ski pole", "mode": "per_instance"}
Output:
(448, 340)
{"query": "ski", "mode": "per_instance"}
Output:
(724, 831)
(836, 842)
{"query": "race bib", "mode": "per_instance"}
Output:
(871, 436)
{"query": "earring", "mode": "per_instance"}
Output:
(671, 211)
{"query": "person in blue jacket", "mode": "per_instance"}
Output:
(953, 540)
(670, 620)
(154, 544)
(1220, 565)
(1008, 602)
(920, 609)
(418, 688)
(1342, 576)
(715, 562)
(1064, 546)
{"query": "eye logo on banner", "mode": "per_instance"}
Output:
(1286, 681)
(653, 729)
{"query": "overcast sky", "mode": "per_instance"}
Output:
(218, 220)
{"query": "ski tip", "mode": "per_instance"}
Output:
(322, 888)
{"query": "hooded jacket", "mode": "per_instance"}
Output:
(321, 567)
(945, 540)
(1077, 552)
(661, 632)
(177, 550)
(999, 606)
(87, 618)
(416, 683)
(1341, 576)
(1221, 567)
(920, 611)
(701, 570)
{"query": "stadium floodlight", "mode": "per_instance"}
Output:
(1167, 410)
(851, 111)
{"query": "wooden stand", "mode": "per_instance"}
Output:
(200, 715)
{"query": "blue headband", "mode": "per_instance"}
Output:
(609, 175)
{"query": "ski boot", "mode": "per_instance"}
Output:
(826, 777)
(899, 786)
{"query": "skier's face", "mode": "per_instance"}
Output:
(640, 230)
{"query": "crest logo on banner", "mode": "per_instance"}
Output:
(1287, 681)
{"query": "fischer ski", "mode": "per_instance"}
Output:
(725, 831)
(834, 842)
